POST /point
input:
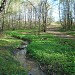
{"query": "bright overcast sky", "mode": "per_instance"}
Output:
(54, 5)
(55, 9)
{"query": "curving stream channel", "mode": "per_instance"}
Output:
(30, 65)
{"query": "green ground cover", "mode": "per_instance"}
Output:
(56, 54)
(9, 66)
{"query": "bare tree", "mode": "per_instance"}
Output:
(66, 10)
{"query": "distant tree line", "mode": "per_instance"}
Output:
(22, 14)
(25, 14)
(66, 13)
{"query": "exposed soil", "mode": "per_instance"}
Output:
(32, 66)
(55, 32)
(61, 34)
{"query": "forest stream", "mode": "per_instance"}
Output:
(32, 67)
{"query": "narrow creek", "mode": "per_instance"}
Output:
(20, 55)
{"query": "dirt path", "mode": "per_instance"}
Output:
(61, 34)
(55, 32)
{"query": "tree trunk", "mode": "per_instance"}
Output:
(2, 7)
(3, 24)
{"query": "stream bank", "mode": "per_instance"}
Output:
(20, 55)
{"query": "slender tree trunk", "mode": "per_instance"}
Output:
(68, 18)
(45, 15)
(35, 21)
(39, 25)
(25, 20)
(8, 21)
(30, 18)
(3, 23)
(19, 19)
(24, 16)
(64, 17)
(3, 20)
(60, 14)
(12, 23)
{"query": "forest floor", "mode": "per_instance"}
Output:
(52, 44)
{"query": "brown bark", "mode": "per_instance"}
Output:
(3, 4)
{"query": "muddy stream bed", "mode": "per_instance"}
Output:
(32, 66)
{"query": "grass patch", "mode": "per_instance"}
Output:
(9, 66)
(56, 54)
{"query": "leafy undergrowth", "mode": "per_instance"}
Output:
(9, 66)
(56, 55)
